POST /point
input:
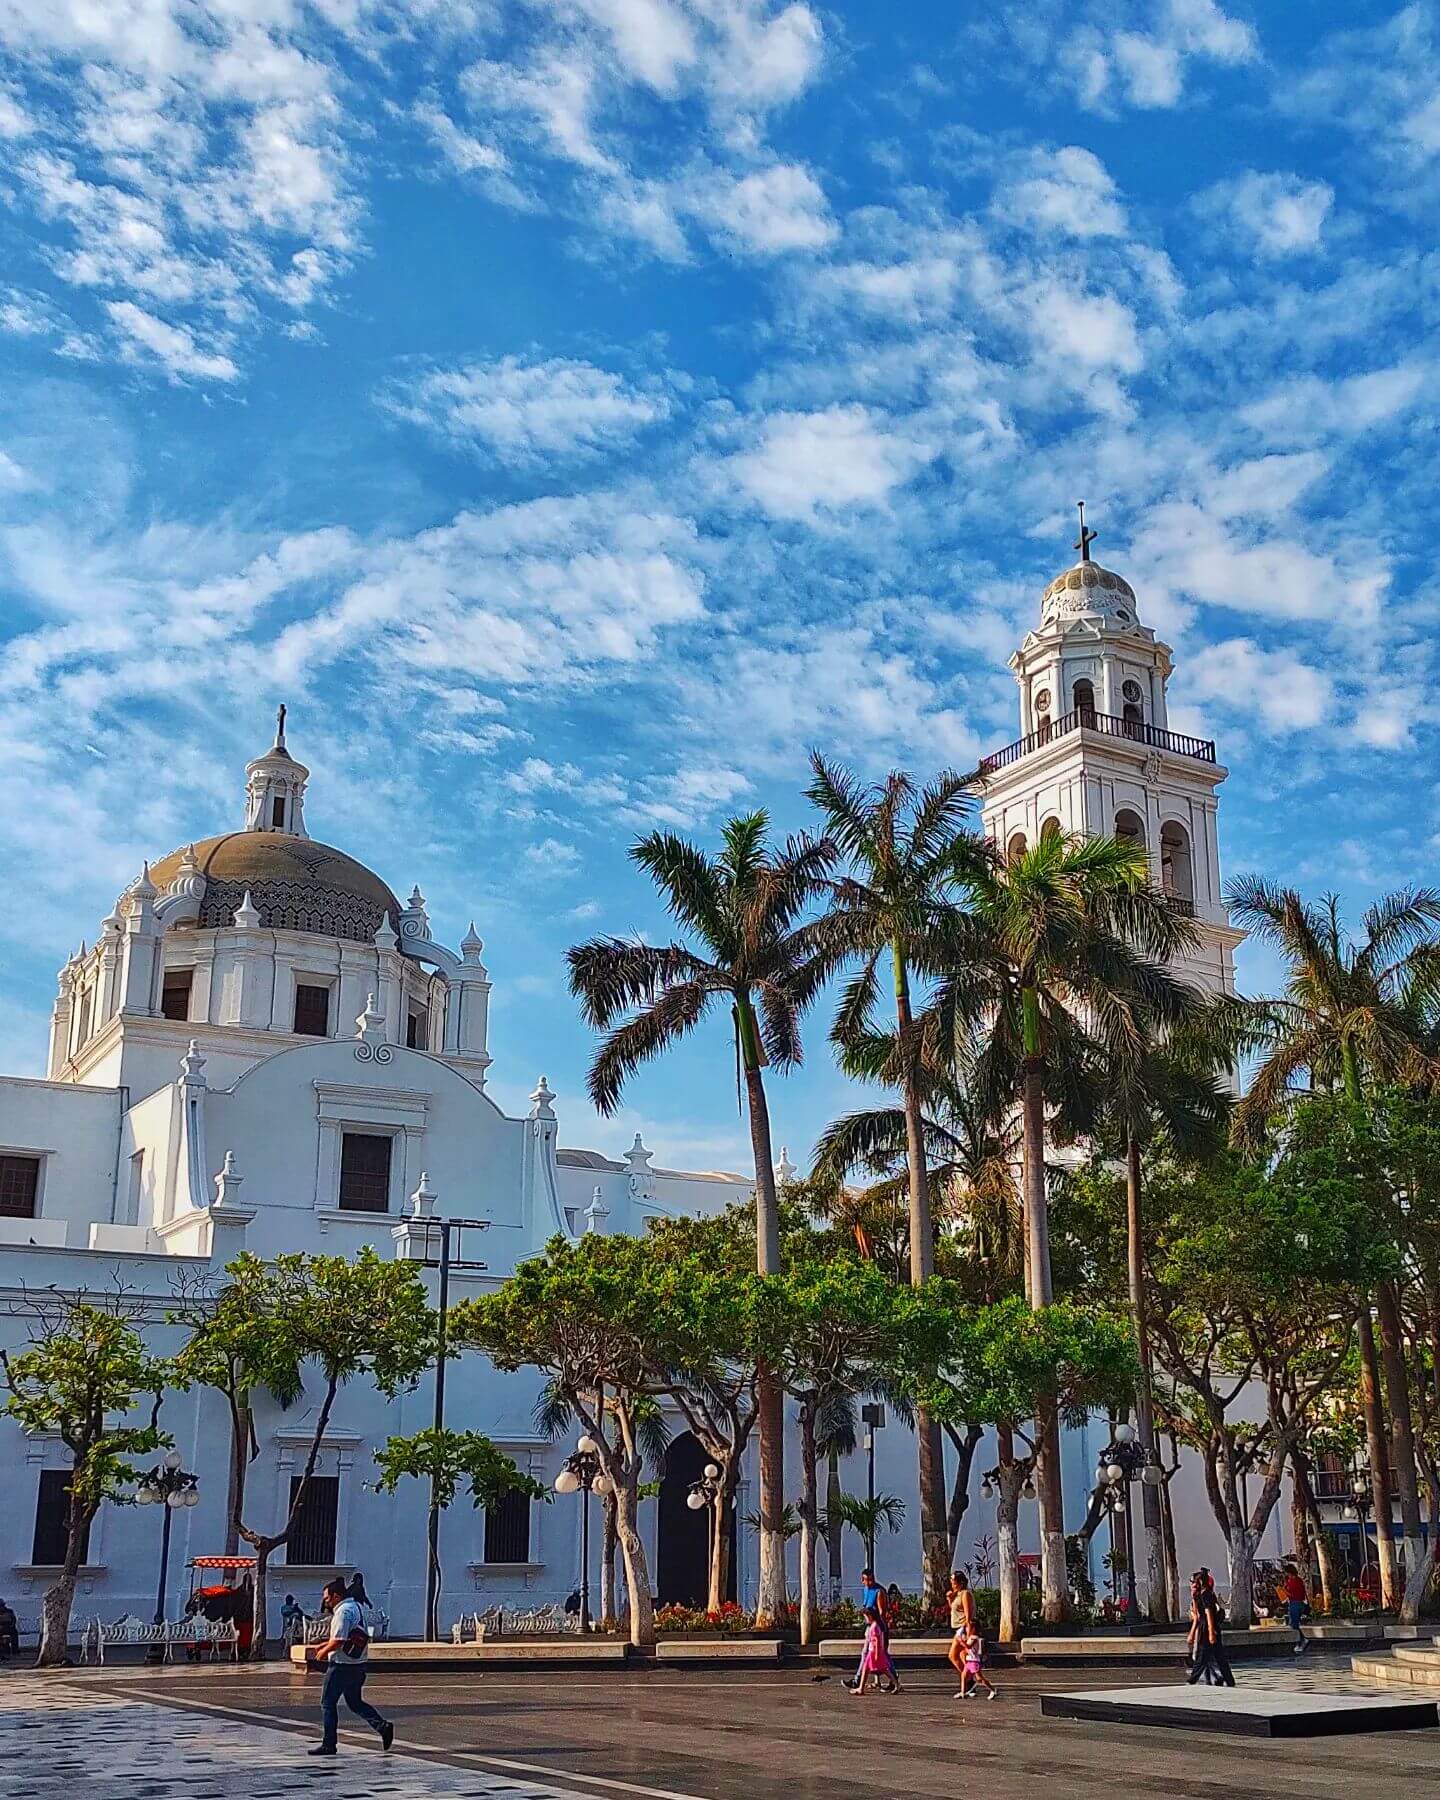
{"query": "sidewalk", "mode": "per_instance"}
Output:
(62, 1742)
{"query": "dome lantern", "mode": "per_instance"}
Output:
(275, 788)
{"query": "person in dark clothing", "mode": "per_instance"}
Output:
(9, 1630)
(1208, 1661)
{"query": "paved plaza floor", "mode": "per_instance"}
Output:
(226, 1734)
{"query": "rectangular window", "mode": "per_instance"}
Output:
(87, 1008)
(277, 812)
(312, 1009)
(365, 1171)
(312, 1536)
(417, 1028)
(507, 1529)
(175, 993)
(19, 1185)
(52, 1514)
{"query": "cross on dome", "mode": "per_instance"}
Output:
(1082, 543)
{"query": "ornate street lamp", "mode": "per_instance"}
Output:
(167, 1485)
(706, 1492)
(1123, 1461)
(581, 1473)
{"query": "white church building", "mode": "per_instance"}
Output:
(265, 1049)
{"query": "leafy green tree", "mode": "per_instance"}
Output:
(1355, 1013)
(1076, 943)
(898, 908)
(1009, 1363)
(614, 1317)
(82, 1374)
(744, 910)
(1252, 1276)
(832, 1324)
(446, 1461)
(274, 1324)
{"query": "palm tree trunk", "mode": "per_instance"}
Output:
(609, 1545)
(1402, 1449)
(1316, 1535)
(1379, 1460)
(1048, 1482)
(1172, 1552)
(930, 1446)
(1153, 1567)
(770, 1398)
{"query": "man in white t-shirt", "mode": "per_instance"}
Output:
(346, 1656)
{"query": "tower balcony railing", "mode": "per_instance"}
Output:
(1133, 731)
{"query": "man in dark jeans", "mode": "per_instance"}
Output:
(345, 1655)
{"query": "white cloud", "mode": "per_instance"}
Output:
(172, 346)
(1067, 192)
(765, 213)
(1265, 486)
(1180, 546)
(552, 857)
(1094, 330)
(1273, 686)
(1275, 215)
(825, 462)
(1310, 408)
(1137, 52)
(523, 413)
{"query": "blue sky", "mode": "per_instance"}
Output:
(574, 409)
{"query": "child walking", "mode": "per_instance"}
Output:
(875, 1657)
(973, 1675)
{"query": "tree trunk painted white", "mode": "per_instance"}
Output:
(59, 1599)
(1007, 1545)
(770, 1398)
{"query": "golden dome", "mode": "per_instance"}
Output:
(296, 884)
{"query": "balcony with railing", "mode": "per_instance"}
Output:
(1133, 731)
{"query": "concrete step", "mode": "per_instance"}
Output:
(1425, 1656)
(503, 1652)
(717, 1650)
(1390, 1670)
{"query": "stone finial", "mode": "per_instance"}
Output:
(638, 1157)
(192, 1066)
(370, 1024)
(189, 883)
(228, 1182)
(247, 914)
(471, 945)
(542, 1101)
(596, 1213)
(415, 921)
(785, 1170)
(143, 888)
(386, 936)
(422, 1201)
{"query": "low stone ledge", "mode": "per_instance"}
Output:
(920, 1649)
(737, 1649)
(516, 1652)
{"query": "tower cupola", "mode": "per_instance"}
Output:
(275, 788)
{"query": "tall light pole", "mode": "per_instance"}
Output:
(418, 1239)
(167, 1485)
(580, 1472)
(873, 1415)
(1124, 1460)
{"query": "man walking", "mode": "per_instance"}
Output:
(345, 1655)
(1296, 1602)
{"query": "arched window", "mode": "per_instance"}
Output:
(1177, 874)
(1083, 694)
(1042, 715)
(1016, 848)
(1130, 827)
(1051, 830)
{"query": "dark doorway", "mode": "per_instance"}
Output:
(682, 1572)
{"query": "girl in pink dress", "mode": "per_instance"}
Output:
(876, 1659)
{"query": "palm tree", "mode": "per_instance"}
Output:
(897, 906)
(1171, 1093)
(1354, 1013)
(1075, 942)
(743, 911)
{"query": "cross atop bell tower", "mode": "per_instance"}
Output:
(1082, 543)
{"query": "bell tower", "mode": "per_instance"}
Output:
(275, 788)
(1096, 754)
